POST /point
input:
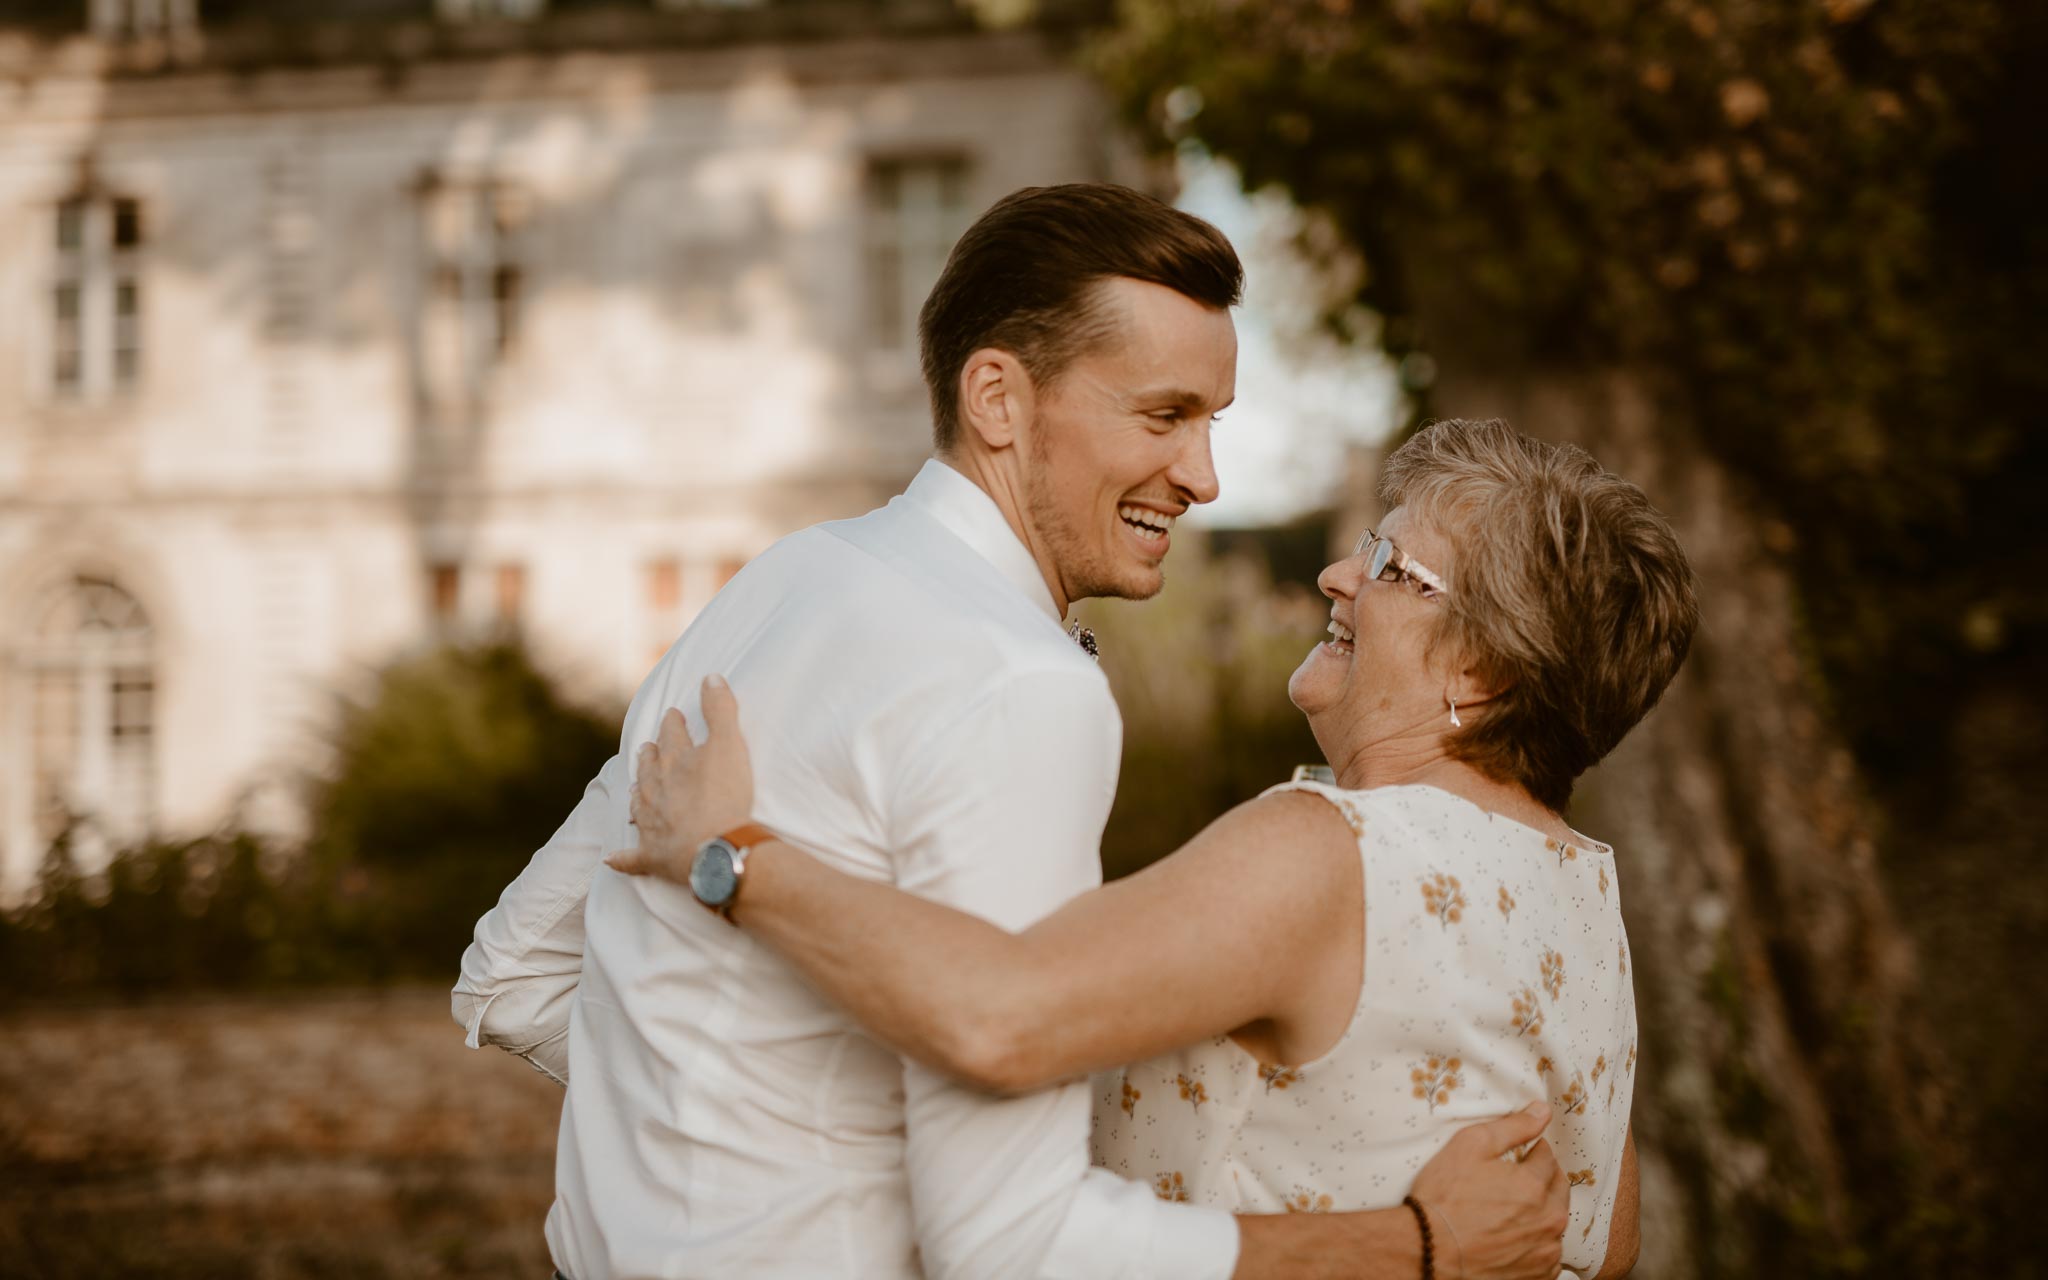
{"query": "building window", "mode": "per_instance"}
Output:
(476, 10)
(128, 19)
(916, 209)
(96, 298)
(474, 288)
(663, 579)
(444, 593)
(511, 593)
(92, 708)
(664, 586)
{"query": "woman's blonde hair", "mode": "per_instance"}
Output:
(1568, 592)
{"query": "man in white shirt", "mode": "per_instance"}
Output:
(923, 719)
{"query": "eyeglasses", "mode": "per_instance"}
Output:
(1386, 562)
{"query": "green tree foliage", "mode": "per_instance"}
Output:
(446, 775)
(1812, 230)
(197, 914)
(1812, 224)
(445, 780)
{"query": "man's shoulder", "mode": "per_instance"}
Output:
(895, 602)
(899, 572)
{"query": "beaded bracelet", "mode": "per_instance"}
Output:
(1428, 1245)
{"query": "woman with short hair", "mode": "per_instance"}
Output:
(1322, 986)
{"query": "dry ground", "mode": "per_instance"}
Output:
(271, 1138)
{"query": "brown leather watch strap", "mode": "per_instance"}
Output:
(747, 835)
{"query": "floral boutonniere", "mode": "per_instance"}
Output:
(1085, 638)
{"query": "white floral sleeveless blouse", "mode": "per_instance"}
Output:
(1496, 973)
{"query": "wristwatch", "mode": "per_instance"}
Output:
(720, 865)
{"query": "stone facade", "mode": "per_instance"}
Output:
(319, 341)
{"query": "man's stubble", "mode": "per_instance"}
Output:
(1081, 570)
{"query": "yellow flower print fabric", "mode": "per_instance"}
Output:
(1496, 973)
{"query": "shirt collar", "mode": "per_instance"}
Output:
(966, 510)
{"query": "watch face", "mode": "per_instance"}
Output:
(711, 874)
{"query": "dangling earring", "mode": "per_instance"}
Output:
(1455, 722)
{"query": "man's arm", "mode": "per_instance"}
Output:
(520, 974)
(999, 813)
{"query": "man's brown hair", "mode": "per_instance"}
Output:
(1568, 591)
(1023, 279)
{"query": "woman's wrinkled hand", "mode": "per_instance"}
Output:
(688, 792)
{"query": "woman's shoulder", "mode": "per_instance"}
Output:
(1305, 807)
(1382, 811)
(1316, 835)
(1419, 809)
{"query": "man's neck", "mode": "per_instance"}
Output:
(1005, 488)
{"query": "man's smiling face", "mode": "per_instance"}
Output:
(1119, 445)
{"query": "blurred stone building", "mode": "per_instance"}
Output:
(328, 330)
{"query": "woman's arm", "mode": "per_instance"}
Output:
(1624, 1230)
(1235, 928)
(1226, 932)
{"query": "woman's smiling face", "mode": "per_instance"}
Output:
(1375, 675)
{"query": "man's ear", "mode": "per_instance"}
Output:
(996, 398)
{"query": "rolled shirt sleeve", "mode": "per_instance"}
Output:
(520, 973)
(1002, 816)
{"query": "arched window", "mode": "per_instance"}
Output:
(92, 715)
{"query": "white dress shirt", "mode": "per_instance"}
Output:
(917, 716)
